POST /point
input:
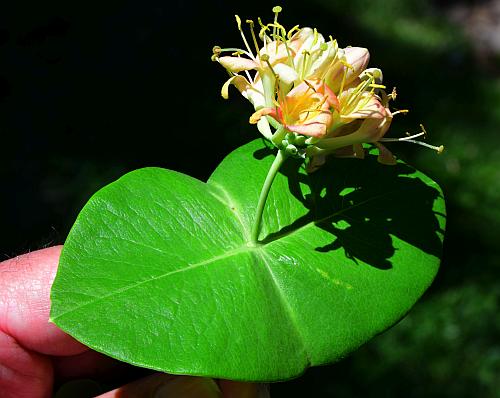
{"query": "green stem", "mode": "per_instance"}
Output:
(278, 161)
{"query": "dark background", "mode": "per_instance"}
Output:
(88, 93)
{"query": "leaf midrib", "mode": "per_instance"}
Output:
(227, 254)
(230, 253)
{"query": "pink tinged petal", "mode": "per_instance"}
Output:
(332, 99)
(334, 75)
(299, 38)
(238, 81)
(256, 116)
(373, 109)
(369, 130)
(384, 155)
(373, 129)
(237, 64)
(315, 129)
(358, 58)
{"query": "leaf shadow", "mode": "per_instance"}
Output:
(365, 206)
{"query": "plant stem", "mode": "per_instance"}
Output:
(273, 170)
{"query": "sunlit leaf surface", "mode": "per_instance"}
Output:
(157, 270)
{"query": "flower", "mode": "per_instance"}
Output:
(320, 99)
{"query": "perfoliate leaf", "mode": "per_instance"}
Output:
(157, 270)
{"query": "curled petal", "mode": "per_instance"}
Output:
(238, 81)
(237, 64)
(256, 116)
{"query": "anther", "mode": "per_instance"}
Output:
(292, 31)
(238, 21)
(277, 9)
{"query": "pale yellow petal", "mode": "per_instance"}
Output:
(237, 64)
(238, 81)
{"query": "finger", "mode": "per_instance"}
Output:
(25, 331)
(239, 389)
(25, 283)
(23, 373)
(88, 365)
(162, 385)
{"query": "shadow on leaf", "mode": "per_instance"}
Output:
(365, 206)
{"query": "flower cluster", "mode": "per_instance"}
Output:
(318, 98)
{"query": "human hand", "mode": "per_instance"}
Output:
(33, 352)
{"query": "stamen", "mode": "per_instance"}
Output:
(238, 21)
(334, 59)
(423, 129)
(315, 37)
(403, 111)
(359, 90)
(277, 27)
(393, 95)
(305, 53)
(408, 138)
(346, 65)
(233, 50)
(250, 22)
(438, 149)
(262, 33)
(265, 58)
(292, 31)
(310, 85)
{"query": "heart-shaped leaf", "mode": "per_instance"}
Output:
(157, 270)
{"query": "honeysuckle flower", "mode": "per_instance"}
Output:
(318, 98)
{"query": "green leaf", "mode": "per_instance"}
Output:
(157, 271)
